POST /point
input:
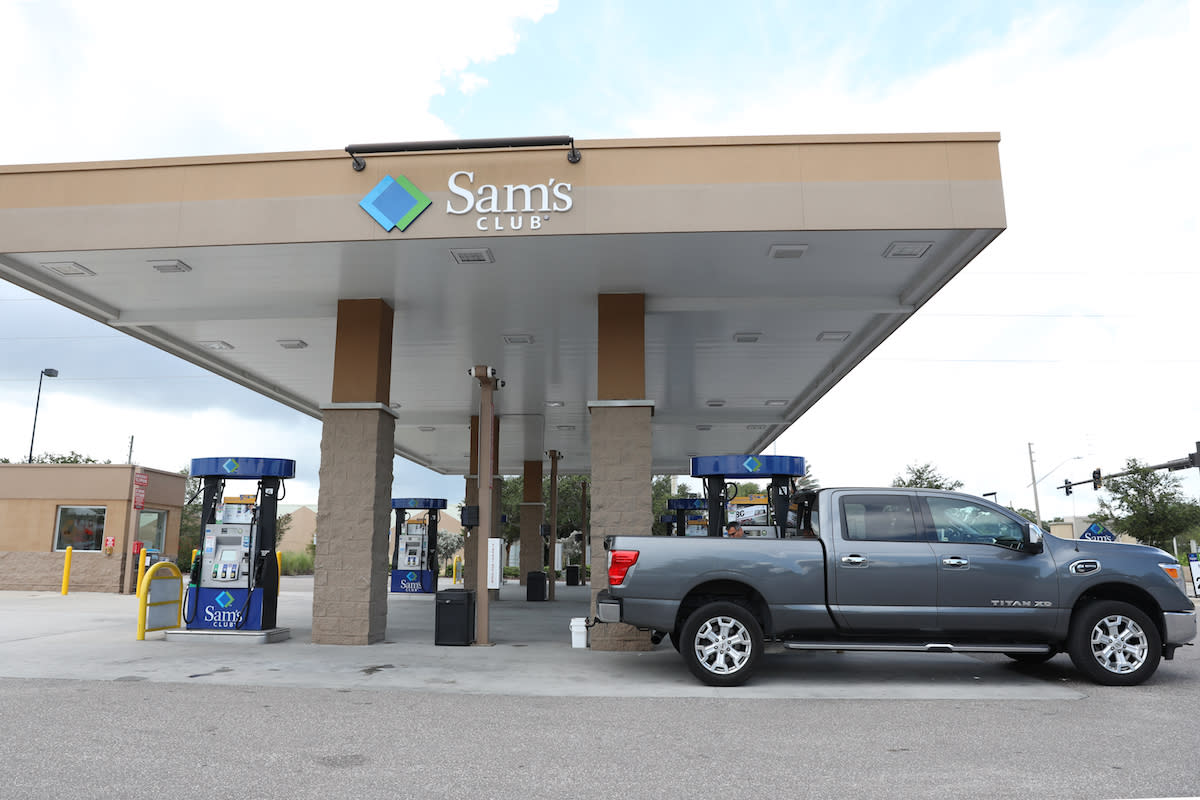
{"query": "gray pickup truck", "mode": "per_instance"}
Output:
(902, 570)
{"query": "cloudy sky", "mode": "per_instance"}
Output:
(1075, 331)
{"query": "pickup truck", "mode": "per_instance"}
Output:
(901, 570)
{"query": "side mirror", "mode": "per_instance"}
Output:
(1033, 538)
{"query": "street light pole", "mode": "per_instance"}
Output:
(46, 373)
(1037, 509)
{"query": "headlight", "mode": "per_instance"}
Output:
(1175, 573)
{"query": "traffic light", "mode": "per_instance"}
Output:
(1096, 481)
(1067, 485)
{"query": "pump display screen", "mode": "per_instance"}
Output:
(228, 555)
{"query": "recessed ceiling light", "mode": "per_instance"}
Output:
(518, 338)
(393, 405)
(907, 249)
(68, 269)
(786, 250)
(756, 427)
(170, 265)
(714, 403)
(775, 403)
(833, 336)
(704, 427)
(292, 344)
(566, 427)
(747, 337)
(216, 345)
(554, 404)
(426, 428)
(472, 255)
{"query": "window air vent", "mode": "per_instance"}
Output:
(907, 249)
(474, 255)
(787, 250)
(68, 269)
(168, 266)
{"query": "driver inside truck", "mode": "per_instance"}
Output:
(734, 530)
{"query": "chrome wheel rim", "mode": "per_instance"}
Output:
(1119, 644)
(723, 645)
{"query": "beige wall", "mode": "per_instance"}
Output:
(30, 495)
(300, 533)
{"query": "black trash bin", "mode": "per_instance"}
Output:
(536, 587)
(572, 575)
(454, 617)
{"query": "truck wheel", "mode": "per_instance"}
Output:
(1114, 643)
(721, 643)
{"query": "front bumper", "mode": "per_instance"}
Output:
(1179, 626)
(608, 608)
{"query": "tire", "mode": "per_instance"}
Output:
(1114, 643)
(675, 637)
(721, 643)
(1032, 658)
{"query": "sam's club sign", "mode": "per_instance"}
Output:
(397, 202)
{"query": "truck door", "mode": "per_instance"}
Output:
(986, 582)
(883, 577)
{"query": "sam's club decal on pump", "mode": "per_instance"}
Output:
(397, 202)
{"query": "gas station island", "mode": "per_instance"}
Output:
(615, 308)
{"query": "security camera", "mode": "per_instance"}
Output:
(482, 372)
(501, 385)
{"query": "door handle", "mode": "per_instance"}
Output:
(955, 561)
(854, 561)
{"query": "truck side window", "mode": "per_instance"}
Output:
(959, 520)
(879, 518)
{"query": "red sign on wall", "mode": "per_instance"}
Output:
(141, 479)
(139, 497)
(110, 541)
(137, 547)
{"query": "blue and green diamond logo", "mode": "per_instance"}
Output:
(224, 599)
(395, 202)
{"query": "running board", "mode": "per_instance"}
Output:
(920, 648)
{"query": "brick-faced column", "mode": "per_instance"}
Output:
(533, 511)
(350, 583)
(350, 580)
(621, 450)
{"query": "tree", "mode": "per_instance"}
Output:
(447, 545)
(69, 458)
(191, 532)
(924, 476)
(1146, 504)
(282, 523)
(660, 493)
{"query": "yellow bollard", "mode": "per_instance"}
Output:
(279, 579)
(67, 569)
(141, 572)
(456, 576)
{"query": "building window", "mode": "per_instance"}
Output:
(152, 529)
(80, 527)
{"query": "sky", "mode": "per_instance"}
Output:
(1072, 335)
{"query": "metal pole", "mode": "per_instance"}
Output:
(1037, 509)
(551, 573)
(37, 403)
(487, 468)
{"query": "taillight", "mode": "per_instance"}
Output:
(619, 562)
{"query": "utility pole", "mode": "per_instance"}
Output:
(1037, 509)
(129, 460)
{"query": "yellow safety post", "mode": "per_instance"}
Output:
(161, 588)
(279, 580)
(67, 569)
(141, 570)
(456, 577)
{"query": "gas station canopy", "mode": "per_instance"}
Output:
(769, 266)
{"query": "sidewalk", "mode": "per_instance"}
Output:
(85, 636)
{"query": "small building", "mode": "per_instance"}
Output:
(99, 510)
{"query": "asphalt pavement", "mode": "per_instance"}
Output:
(87, 711)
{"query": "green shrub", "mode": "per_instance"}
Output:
(296, 564)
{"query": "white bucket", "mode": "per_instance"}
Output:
(578, 631)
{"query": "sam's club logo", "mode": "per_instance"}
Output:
(224, 599)
(395, 202)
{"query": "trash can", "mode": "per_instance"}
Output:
(572, 575)
(536, 587)
(454, 617)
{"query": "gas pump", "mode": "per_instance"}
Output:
(235, 576)
(715, 470)
(682, 505)
(414, 552)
